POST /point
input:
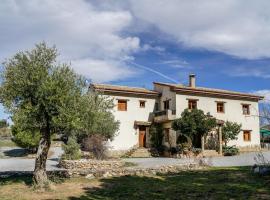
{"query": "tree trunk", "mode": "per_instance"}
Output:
(40, 176)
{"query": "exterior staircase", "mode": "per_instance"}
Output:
(210, 153)
(138, 153)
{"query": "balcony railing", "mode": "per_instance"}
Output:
(164, 115)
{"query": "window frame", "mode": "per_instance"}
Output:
(142, 103)
(190, 102)
(168, 104)
(248, 132)
(247, 112)
(218, 106)
(123, 101)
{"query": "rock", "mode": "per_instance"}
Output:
(90, 176)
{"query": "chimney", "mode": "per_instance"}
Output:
(192, 80)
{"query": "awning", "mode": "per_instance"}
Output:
(142, 123)
(265, 132)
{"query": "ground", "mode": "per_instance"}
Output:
(22, 164)
(213, 183)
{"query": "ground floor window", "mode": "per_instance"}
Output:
(247, 135)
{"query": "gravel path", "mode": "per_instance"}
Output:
(246, 159)
(22, 164)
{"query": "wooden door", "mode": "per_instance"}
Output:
(142, 136)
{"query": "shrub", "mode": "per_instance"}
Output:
(71, 150)
(156, 138)
(230, 150)
(25, 139)
(97, 145)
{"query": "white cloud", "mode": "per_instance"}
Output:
(248, 71)
(78, 28)
(102, 71)
(265, 93)
(239, 28)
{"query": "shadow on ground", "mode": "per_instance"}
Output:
(16, 153)
(233, 183)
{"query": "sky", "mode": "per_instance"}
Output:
(225, 43)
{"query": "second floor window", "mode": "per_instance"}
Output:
(246, 110)
(192, 104)
(220, 107)
(166, 104)
(122, 105)
(142, 104)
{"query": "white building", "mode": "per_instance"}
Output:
(137, 108)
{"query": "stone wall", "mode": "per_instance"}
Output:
(113, 168)
(91, 164)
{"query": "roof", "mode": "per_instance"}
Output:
(210, 92)
(117, 89)
(266, 127)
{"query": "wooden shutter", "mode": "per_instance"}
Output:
(122, 105)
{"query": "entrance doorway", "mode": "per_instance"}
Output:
(142, 136)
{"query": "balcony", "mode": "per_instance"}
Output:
(164, 115)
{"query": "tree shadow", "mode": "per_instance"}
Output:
(22, 178)
(16, 153)
(211, 184)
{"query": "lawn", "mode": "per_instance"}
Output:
(7, 143)
(214, 183)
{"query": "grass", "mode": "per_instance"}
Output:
(214, 183)
(7, 143)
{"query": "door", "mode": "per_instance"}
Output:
(142, 136)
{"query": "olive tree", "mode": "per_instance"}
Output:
(230, 131)
(48, 98)
(194, 124)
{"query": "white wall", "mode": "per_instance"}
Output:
(233, 112)
(128, 135)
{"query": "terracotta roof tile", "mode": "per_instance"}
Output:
(210, 91)
(124, 89)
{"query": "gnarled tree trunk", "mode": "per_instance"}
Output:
(40, 176)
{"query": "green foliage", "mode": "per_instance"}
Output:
(230, 131)
(46, 98)
(95, 110)
(230, 150)
(156, 136)
(71, 150)
(3, 123)
(194, 124)
(25, 139)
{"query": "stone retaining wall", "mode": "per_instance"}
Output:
(104, 169)
(91, 164)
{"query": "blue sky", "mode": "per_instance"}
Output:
(136, 42)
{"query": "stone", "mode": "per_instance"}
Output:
(90, 176)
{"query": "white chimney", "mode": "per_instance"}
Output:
(192, 80)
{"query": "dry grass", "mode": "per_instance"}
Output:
(214, 183)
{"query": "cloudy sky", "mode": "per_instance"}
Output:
(135, 42)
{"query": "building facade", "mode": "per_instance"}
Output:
(137, 108)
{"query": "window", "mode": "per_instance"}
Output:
(220, 107)
(156, 107)
(122, 105)
(166, 134)
(166, 104)
(192, 104)
(247, 136)
(246, 110)
(142, 104)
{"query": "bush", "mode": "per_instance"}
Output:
(25, 139)
(156, 138)
(72, 150)
(230, 150)
(97, 145)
